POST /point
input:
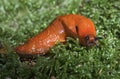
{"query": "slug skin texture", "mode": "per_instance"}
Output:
(71, 25)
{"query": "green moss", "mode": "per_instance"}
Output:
(22, 19)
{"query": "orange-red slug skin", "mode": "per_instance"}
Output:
(71, 25)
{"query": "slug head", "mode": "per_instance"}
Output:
(90, 40)
(86, 32)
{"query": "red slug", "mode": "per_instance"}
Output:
(71, 25)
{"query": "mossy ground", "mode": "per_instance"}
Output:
(22, 19)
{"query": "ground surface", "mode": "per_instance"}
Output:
(22, 19)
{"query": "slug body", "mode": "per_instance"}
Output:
(71, 25)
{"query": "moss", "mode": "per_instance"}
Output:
(22, 19)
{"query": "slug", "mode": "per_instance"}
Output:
(71, 25)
